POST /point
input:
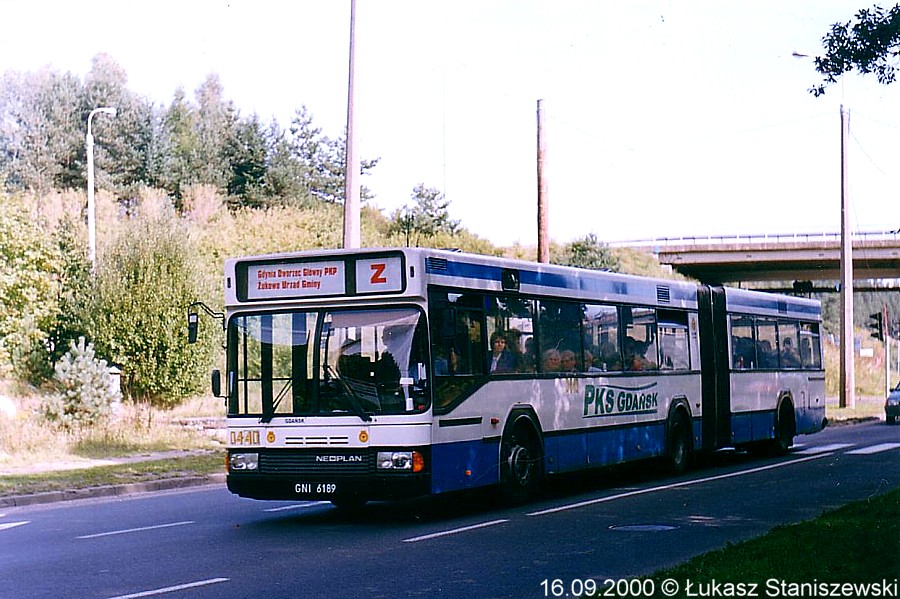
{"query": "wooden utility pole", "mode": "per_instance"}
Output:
(543, 212)
(352, 165)
(848, 379)
(886, 337)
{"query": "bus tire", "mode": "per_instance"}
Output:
(521, 460)
(785, 428)
(679, 443)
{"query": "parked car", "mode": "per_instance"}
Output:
(892, 405)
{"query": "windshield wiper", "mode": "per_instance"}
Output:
(267, 418)
(354, 399)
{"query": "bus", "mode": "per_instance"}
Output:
(357, 375)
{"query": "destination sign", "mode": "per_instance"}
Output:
(306, 279)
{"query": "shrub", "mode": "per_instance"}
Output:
(85, 389)
(30, 263)
(144, 283)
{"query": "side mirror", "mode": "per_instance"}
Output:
(217, 383)
(193, 325)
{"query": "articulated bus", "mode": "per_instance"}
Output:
(356, 375)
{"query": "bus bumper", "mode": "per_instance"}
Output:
(299, 474)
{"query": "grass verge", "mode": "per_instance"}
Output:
(858, 543)
(97, 476)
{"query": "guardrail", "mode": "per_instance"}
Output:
(661, 242)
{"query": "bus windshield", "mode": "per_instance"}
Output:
(305, 363)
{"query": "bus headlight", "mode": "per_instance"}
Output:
(407, 461)
(240, 462)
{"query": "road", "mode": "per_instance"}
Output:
(615, 524)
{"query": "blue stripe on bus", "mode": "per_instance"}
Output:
(464, 465)
(603, 446)
(769, 302)
(475, 463)
(580, 282)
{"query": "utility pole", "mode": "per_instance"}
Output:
(887, 350)
(352, 166)
(848, 379)
(543, 211)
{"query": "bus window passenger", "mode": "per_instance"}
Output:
(550, 361)
(501, 359)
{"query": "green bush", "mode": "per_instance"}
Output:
(30, 262)
(85, 389)
(139, 299)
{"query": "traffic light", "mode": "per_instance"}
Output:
(877, 325)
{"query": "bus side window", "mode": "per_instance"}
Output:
(766, 343)
(810, 346)
(673, 341)
(743, 347)
(600, 325)
(512, 319)
(640, 343)
(559, 336)
(788, 335)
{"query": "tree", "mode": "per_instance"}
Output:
(586, 252)
(427, 217)
(215, 127)
(40, 129)
(870, 43)
(123, 153)
(322, 160)
(246, 153)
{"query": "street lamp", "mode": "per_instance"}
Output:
(847, 397)
(92, 225)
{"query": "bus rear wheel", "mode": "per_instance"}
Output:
(784, 429)
(520, 464)
(679, 444)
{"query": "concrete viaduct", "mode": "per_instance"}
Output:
(806, 257)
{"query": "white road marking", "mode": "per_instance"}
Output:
(874, 449)
(687, 483)
(130, 530)
(824, 448)
(180, 587)
(297, 506)
(8, 525)
(454, 531)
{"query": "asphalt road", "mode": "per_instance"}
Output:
(205, 542)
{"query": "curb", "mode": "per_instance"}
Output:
(165, 484)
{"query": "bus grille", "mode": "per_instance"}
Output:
(316, 463)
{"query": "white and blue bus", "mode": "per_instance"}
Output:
(354, 375)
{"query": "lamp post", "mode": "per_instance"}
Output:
(89, 145)
(847, 397)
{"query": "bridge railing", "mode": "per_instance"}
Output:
(663, 242)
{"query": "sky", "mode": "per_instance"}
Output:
(663, 118)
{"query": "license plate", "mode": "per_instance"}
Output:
(315, 488)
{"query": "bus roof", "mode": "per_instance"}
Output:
(393, 272)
